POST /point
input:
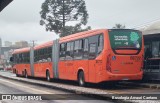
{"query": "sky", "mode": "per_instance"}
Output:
(20, 19)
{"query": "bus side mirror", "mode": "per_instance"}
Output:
(11, 59)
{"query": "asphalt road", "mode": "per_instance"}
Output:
(14, 87)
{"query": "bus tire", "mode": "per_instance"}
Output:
(48, 76)
(81, 79)
(25, 74)
(17, 75)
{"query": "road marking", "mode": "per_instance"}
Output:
(27, 87)
(115, 92)
(43, 92)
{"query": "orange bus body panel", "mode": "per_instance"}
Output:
(40, 69)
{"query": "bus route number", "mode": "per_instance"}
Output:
(135, 58)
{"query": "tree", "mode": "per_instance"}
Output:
(75, 29)
(119, 26)
(56, 13)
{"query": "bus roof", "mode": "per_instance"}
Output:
(70, 37)
(81, 35)
(21, 50)
(47, 44)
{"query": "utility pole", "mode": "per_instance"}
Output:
(33, 43)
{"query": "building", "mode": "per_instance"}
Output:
(152, 28)
(7, 44)
(0, 42)
(4, 49)
(21, 44)
(5, 55)
(3, 4)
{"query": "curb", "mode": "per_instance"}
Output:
(84, 93)
(151, 86)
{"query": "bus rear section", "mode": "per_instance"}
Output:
(125, 57)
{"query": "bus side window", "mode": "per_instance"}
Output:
(85, 51)
(62, 51)
(100, 43)
(35, 55)
(45, 54)
(92, 51)
(49, 54)
(68, 49)
(14, 58)
(78, 49)
(155, 49)
(18, 59)
(38, 55)
(27, 57)
(71, 51)
(93, 43)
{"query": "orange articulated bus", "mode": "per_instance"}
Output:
(93, 56)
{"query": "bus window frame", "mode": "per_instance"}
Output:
(84, 49)
(95, 53)
(102, 44)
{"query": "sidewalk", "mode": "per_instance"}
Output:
(142, 84)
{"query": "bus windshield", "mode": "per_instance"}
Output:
(125, 39)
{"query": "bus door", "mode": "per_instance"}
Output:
(85, 62)
(92, 62)
(62, 62)
(93, 50)
(69, 60)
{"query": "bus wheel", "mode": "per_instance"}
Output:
(17, 75)
(25, 74)
(81, 79)
(48, 76)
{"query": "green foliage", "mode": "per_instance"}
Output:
(56, 13)
(74, 29)
(119, 26)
